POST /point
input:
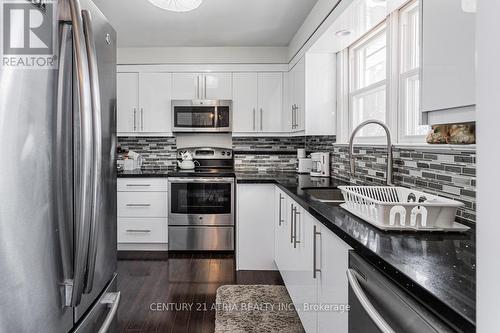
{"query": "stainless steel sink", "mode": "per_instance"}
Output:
(325, 194)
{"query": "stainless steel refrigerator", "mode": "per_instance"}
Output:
(58, 181)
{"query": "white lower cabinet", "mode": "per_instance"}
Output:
(313, 263)
(142, 209)
(255, 227)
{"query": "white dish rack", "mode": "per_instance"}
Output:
(400, 208)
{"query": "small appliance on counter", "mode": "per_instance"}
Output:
(320, 164)
(132, 161)
(304, 165)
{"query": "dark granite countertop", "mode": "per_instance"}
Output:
(151, 173)
(437, 268)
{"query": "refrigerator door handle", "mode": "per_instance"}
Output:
(84, 209)
(97, 160)
(63, 175)
(113, 300)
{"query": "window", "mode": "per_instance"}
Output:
(382, 81)
(409, 81)
(368, 76)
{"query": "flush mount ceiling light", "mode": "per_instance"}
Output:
(343, 32)
(177, 5)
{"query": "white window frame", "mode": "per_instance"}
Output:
(381, 28)
(394, 85)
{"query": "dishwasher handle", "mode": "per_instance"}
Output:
(352, 276)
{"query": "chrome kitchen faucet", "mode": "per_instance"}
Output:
(389, 148)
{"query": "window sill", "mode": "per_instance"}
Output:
(414, 146)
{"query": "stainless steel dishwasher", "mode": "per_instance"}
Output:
(377, 304)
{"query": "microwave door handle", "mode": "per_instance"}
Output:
(83, 207)
(97, 160)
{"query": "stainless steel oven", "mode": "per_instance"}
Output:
(202, 115)
(201, 213)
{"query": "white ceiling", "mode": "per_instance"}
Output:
(215, 23)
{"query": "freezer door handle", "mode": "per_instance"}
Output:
(84, 205)
(97, 139)
(113, 300)
(384, 327)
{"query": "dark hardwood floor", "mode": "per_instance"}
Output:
(175, 292)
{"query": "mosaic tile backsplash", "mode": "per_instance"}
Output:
(445, 172)
(158, 152)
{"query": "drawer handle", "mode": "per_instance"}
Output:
(138, 230)
(138, 205)
(141, 185)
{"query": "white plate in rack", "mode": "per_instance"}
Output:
(456, 227)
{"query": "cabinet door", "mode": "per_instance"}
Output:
(448, 61)
(186, 86)
(270, 101)
(280, 229)
(155, 96)
(299, 91)
(255, 227)
(332, 260)
(245, 96)
(127, 95)
(303, 288)
(217, 86)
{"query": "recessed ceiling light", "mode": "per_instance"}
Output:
(177, 5)
(343, 32)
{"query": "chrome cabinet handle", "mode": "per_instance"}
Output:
(198, 87)
(295, 241)
(142, 119)
(132, 185)
(254, 115)
(113, 300)
(261, 119)
(137, 205)
(84, 206)
(291, 222)
(138, 230)
(280, 219)
(205, 86)
(315, 233)
(135, 121)
(352, 276)
(97, 160)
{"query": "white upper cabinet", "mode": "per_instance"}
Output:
(143, 101)
(245, 96)
(257, 102)
(202, 86)
(127, 95)
(320, 94)
(218, 86)
(297, 100)
(186, 86)
(155, 94)
(448, 62)
(270, 101)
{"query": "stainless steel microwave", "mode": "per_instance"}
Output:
(202, 115)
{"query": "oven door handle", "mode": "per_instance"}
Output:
(201, 180)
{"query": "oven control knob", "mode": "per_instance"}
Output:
(223, 153)
(228, 153)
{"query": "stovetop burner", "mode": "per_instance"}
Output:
(210, 162)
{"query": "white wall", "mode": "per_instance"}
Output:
(319, 13)
(488, 162)
(202, 55)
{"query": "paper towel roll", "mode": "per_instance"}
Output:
(301, 153)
